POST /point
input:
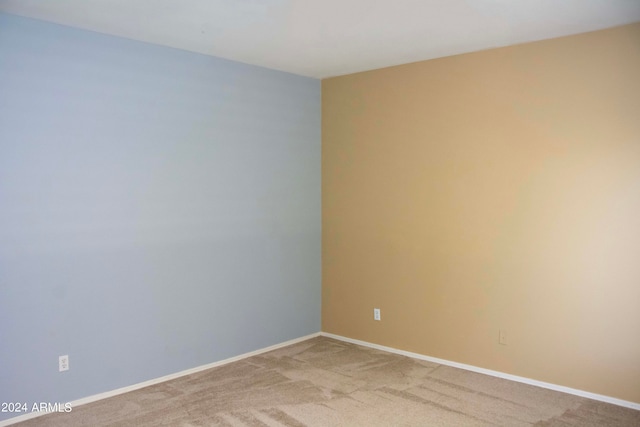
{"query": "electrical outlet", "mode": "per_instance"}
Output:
(376, 314)
(502, 337)
(63, 363)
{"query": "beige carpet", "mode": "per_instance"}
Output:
(324, 382)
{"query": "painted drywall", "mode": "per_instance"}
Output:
(159, 210)
(487, 191)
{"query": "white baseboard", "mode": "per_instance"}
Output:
(490, 372)
(154, 381)
(472, 368)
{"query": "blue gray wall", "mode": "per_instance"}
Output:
(159, 210)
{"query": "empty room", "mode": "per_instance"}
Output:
(319, 213)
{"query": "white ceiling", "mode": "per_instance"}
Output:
(322, 38)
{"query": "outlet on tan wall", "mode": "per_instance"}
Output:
(489, 189)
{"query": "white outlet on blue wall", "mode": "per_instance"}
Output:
(63, 363)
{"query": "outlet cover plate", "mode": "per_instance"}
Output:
(63, 363)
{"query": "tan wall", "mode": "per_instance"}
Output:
(499, 189)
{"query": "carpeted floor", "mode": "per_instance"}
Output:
(324, 382)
